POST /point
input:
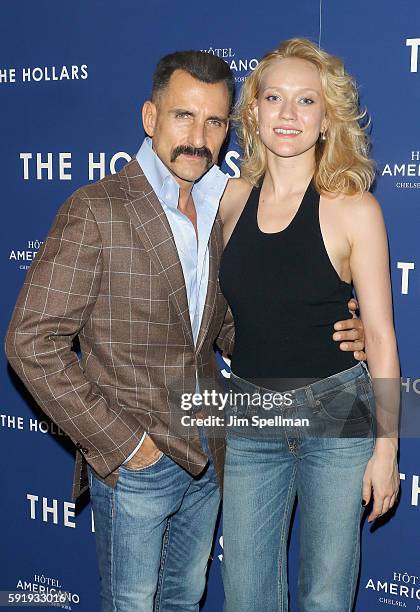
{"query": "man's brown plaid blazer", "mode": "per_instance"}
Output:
(110, 273)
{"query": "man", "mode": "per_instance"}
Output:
(130, 266)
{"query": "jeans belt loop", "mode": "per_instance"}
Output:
(366, 369)
(310, 395)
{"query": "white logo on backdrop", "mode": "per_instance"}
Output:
(404, 171)
(414, 44)
(49, 166)
(32, 425)
(406, 267)
(398, 591)
(24, 257)
(55, 511)
(57, 166)
(36, 74)
(43, 589)
(238, 65)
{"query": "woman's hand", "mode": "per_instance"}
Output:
(382, 479)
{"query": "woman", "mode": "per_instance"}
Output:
(301, 230)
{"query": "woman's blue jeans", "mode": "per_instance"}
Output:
(323, 464)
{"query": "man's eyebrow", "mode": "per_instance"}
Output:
(182, 111)
(217, 118)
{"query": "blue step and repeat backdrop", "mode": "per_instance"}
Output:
(73, 77)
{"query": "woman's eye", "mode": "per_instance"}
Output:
(272, 98)
(306, 101)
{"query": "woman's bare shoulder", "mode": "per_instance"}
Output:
(234, 198)
(356, 207)
(360, 200)
(359, 215)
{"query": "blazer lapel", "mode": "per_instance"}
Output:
(152, 226)
(215, 250)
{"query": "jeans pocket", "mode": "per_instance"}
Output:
(348, 403)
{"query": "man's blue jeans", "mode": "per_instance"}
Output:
(324, 465)
(153, 536)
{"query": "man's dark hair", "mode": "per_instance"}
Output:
(204, 67)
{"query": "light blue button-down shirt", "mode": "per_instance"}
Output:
(193, 254)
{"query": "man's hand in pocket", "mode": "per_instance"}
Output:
(147, 454)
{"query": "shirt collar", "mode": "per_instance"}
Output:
(209, 186)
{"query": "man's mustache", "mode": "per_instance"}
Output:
(189, 150)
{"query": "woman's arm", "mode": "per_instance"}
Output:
(369, 264)
(232, 204)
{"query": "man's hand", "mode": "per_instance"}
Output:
(147, 454)
(351, 333)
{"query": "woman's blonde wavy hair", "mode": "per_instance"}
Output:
(342, 165)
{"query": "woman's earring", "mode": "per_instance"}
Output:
(323, 137)
(257, 131)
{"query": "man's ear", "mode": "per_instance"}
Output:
(149, 115)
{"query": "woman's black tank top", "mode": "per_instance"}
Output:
(285, 296)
